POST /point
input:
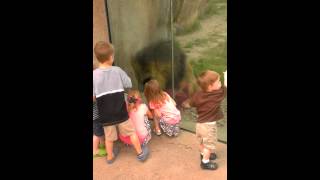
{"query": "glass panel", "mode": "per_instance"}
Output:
(141, 34)
(200, 28)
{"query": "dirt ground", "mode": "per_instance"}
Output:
(170, 158)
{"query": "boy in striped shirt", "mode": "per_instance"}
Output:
(109, 83)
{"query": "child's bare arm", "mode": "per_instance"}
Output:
(186, 104)
(149, 114)
(156, 113)
(94, 98)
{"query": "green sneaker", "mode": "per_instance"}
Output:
(102, 152)
(102, 146)
(96, 156)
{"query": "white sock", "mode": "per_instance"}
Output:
(205, 161)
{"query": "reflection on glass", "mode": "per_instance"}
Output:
(200, 28)
(141, 32)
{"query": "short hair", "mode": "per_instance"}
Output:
(103, 50)
(206, 78)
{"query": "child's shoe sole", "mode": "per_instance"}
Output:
(209, 166)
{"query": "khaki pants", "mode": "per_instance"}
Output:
(125, 128)
(207, 134)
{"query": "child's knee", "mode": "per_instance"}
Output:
(133, 135)
(110, 139)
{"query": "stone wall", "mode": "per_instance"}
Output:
(100, 26)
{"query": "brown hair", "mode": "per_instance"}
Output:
(134, 95)
(206, 78)
(103, 51)
(154, 93)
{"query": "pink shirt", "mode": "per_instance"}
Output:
(137, 118)
(168, 111)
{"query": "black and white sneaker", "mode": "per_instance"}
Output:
(209, 165)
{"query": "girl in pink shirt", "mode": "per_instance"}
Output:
(164, 109)
(138, 115)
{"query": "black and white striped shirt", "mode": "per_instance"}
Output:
(95, 111)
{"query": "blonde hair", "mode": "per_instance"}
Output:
(154, 93)
(206, 78)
